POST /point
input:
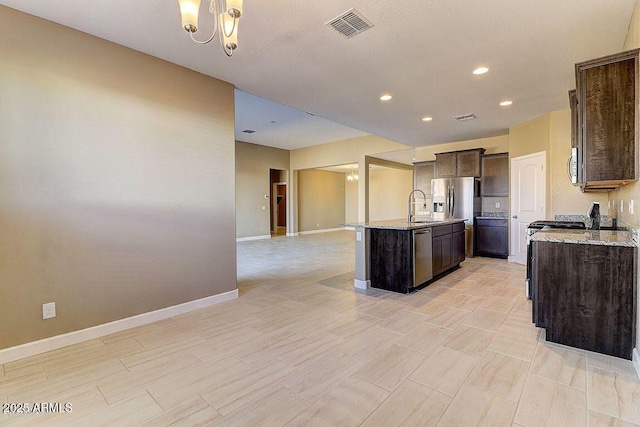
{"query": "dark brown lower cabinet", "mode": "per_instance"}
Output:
(391, 256)
(492, 237)
(585, 295)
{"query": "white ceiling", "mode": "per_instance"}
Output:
(420, 51)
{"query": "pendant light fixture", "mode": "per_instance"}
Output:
(226, 16)
(352, 177)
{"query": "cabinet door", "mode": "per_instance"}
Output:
(468, 163)
(492, 241)
(446, 165)
(608, 111)
(457, 249)
(442, 259)
(423, 173)
(495, 175)
(573, 103)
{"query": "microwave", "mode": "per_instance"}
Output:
(572, 166)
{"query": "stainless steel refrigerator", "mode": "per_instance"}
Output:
(457, 198)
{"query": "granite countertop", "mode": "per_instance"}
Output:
(588, 237)
(402, 224)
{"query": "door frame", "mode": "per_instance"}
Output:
(512, 186)
(274, 204)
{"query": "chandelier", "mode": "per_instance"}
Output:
(226, 14)
(352, 177)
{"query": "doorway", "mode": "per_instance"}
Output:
(528, 198)
(278, 197)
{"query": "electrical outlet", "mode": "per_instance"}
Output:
(318, 225)
(497, 205)
(631, 206)
(49, 310)
(621, 206)
(359, 236)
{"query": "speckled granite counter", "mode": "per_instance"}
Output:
(588, 237)
(402, 224)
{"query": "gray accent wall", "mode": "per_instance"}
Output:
(116, 181)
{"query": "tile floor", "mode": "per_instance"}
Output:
(301, 347)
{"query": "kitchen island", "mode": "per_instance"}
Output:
(399, 256)
(584, 289)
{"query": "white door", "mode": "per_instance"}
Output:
(528, 194)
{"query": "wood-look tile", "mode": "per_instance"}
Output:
(485, 319)
(49, 356)
(252, 384)
(311, 348)
(442, 292)
(509, 292)
(478, 291)
(346, 405)
(275, 409)
(383, 310)
(547, 403)
(177, 387)
(410, 405)
(447, 317)
(473, 407)
(520, 320)
(403, 321)
(425, 338)
(366, 345)
(445, 370)
(560, 365)
(389, 368)
(501, 374)
(469, 340)
(314, 381)
(514, 342)
(465, 302)
(522, 304)
(598, 419)
(353, 325)
(128, 412)
(184, 413)
(498, 303)
(430, 307)
(610, 363)
(614, 394)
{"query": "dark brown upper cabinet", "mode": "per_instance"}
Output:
(607, 132)
(423, 173)
(459, 163)
(495, 175)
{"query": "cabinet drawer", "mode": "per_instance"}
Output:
(442, 230)
(498, 222)
(458, 226)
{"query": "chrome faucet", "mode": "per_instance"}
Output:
(409, 203)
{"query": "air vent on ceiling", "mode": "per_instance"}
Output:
(350, 23)
(248, 131)
(465, 117)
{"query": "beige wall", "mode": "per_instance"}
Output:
(117, 181)
(338, 153)
(388, 193)
(552, 133)
(252, 183)
(321, 199)
(350, 200)
(498, 144)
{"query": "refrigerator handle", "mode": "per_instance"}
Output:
(453, 200)
(448, 199)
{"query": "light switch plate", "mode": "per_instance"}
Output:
(359, 236)
(631, 206)
(49, 310)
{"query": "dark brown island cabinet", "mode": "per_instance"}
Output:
(492, 237)
(584, 295)
(391, 257)
(458, 164)
(606, 109)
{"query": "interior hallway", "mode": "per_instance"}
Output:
(301, 347)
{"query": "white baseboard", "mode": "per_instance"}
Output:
(324, 230)
(361, 284)
(53, 343)
(292, 234)
(636, 361)
(245, 239)
(511, 258)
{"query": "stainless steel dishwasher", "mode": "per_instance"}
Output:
(422, 256)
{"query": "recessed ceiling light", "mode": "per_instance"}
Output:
(480, 70)
(506, 103)
(427, 119)
(385, 97)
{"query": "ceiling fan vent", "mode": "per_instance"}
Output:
(350, 23)
(465, 117)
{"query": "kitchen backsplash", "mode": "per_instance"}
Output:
(490, 204)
